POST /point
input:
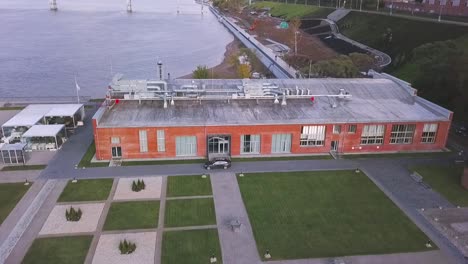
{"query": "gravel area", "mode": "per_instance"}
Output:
(107, 251)
(451, 222)
(57, 224)
(152, 190)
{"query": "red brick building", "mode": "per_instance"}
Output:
(194, 118)
(442, 7)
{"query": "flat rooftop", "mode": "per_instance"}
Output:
(378, 100)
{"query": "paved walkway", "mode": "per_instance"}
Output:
(18, 176)
(237, 247)
(429, 257)
(12, 241)
(395, 181)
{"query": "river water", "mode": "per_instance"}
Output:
(41, 51)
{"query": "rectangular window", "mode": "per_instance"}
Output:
(372, 135)
(143, 141)
(312, 136)
(115, 140)
(186, 146)
(402, 134)
(250, 144)
(336, 129)
(281, 143)
(161, 140)
(429, 133)
(352, 129)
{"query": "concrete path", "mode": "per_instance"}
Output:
(162, 212)
(395, 181)
(11, 243)
(237, 247)
(18, 176)
(429, 257)
(338, 14)
(12, 220)
(101, 222)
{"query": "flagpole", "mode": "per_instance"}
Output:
(77, 90)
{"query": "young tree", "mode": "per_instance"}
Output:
(294, 26)
(201, 72)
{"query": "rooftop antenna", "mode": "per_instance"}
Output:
(129, 6)
(53, 5)
(160, 64)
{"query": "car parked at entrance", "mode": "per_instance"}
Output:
(221, 163)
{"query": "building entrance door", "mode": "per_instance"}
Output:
(116, 152)
(219, 145)
(334, 146)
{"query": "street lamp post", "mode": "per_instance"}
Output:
(391, 8)
(440, 12)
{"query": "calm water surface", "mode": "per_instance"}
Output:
(41, 51)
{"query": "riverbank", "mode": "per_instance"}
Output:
(224, 70)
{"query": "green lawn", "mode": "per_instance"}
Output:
(446, 181)
(289, 11)
(85, 162)
(407, 34)
(325, 214)
(86, 190)
(10, 195)
(58, 250)
(23, 167)
(188, 186)
(9, 108)
(161, 162)
(190, 212)
(193, 246)
(132, 215)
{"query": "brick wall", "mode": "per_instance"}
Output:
(348, 143)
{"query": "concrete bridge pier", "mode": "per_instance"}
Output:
(129, 6)
(53, 5)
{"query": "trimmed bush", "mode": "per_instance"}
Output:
(138, 185)
(73, 215)
(126, 247)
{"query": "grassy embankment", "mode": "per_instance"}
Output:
(406, 34)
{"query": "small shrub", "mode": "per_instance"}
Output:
(73, 215)
(138, 185)
(126, 247)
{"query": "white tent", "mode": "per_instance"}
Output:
(44, 137)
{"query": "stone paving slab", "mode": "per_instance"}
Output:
(151, 191)
(107, 251)
(57, 224)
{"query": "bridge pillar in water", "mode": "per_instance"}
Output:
(129, 6)
(53, 5)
